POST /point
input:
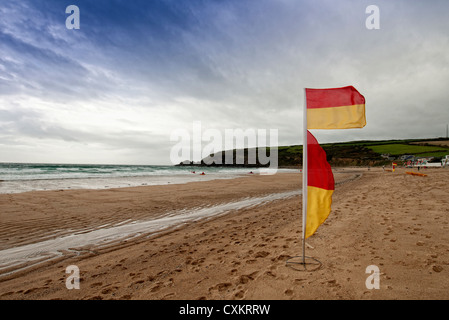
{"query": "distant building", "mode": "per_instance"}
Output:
(407, 157)
(426, 162)
(387, 156)
(424, 159)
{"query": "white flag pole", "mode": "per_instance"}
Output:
(304, 180)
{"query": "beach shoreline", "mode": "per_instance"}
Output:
(391, 220)
(19, 178)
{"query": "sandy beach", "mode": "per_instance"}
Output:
(395, 221)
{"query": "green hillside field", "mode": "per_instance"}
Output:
(368, 152)
(364, 153)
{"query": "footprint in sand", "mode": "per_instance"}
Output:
(332, 283)
(168, 296)
(221, 287)
(197, 262)
(96, 284)
(7, 294)
(108, 290)
(31, 290)
(437, 268)
(156, 288)
(270, 274)
(138, 282)
(261, 254)
(282, 257)
(288, 292)
(247, 277)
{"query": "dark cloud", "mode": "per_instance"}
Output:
(137, 71)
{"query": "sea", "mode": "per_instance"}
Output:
(24, 177)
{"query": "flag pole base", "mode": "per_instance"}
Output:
(300, 264)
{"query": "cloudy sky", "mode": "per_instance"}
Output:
(115, 90)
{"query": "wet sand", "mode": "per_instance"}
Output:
(394, 221)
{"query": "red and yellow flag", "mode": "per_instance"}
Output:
(320, 186)
(335, 108)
